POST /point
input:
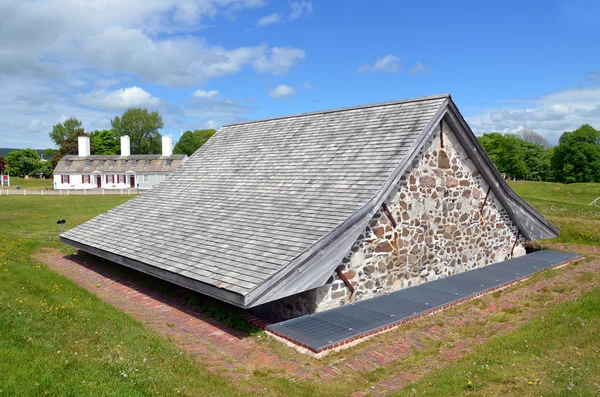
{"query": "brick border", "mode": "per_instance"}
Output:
(364, 336)
(254, 321)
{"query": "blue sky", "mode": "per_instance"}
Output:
(508, 65)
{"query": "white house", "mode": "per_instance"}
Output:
(86, 171)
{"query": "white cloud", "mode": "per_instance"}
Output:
(105, 83)
(150, 39)
(37, 125)
(206, 94)
(282, 91)
(279, 60)
(81, 53)
(308, 85)
(388, 63)
(299, 8)
(219, 110)
(419, 67)
(269, 19)
(182, 61)
(550, 114)
(120, 99)
(31, 108)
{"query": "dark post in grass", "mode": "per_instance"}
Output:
(61, 223)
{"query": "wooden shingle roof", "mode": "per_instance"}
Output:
(268, 208)
(141, 163)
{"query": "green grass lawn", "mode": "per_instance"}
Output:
(554, 355)
(30, 183)
(57, 339)
(567, 207)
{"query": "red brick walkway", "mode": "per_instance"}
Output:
(160, 307)
(221, 348)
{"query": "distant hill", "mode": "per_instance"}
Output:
(4, 151)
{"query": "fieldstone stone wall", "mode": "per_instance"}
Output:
(441, 229)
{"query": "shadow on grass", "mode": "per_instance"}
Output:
(223, 316)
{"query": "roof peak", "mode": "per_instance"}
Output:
(343, 109)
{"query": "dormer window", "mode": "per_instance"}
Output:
(88, 163)
(133, 162)
(169, 161)
(102, 162)
(69, 162)
(123, 163)
(147, 162)
(112, 163)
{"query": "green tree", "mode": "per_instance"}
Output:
(66, 129)
(518, 157)
(105, 142)
(506, 152)
(46, 169)
(23, 162)
(191, 141)
(48, 153)
(69, 146)
(537, 160)
(3, 164)
(511, 157)
(577, 156)
(142, 127)
(492, 143)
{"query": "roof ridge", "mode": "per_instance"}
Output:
(343, 109)
(118, 156)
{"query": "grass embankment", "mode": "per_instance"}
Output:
(58, 339)
(567, 207)
(30, 183)
(553, 355)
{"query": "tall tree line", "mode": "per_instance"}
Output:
(527, 155)
(142, 127)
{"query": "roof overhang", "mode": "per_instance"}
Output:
(207, 289)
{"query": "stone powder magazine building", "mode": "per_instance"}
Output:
(86, 171)
(294, 215)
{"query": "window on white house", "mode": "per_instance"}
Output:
(146, 178)
(64, 178)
